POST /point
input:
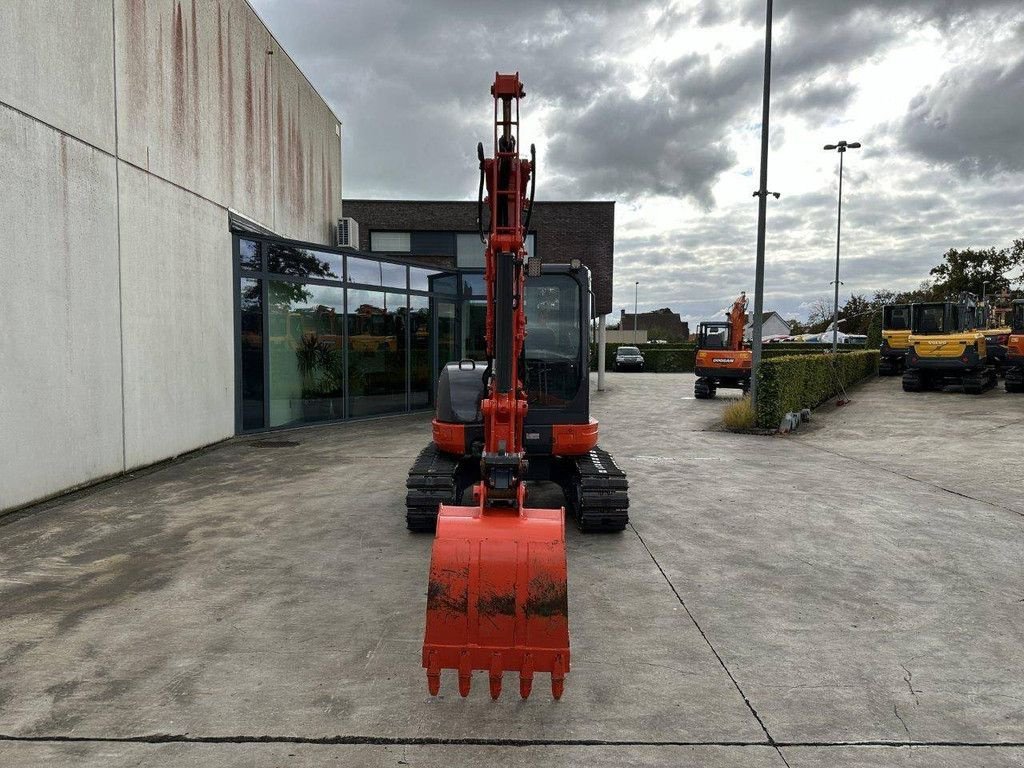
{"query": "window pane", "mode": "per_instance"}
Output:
(469, 251)
(376, 352)
(390, 242)
(474, 336)
(530, 243)
(373, 272)
(473, 285)
(444, 284)
(419, 279)
(554, 364)
(305, 349)
(421, 378)
(298, 262)
(447, 333)
(432, 244)
(249, 254)
(252, 353)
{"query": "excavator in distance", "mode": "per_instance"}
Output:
(497, 594)
(1015, 349)
(723, 359)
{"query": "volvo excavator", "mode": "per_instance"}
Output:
(895, 339)
(497, 593)
(947, 346)
(723, 359)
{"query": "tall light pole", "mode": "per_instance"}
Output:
(636, 294)
(841, 148)
(762, 213)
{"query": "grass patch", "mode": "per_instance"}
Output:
(739, 416)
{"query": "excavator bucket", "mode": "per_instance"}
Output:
(496, 599)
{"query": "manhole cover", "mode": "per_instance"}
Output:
(274, 444)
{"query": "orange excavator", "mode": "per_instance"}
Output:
(497, 595)
(723, 358)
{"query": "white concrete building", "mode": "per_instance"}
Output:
(128, 130)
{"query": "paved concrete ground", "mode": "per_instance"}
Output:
(852, 594)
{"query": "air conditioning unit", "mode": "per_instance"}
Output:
(348, 233)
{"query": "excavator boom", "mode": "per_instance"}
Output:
(496, 598)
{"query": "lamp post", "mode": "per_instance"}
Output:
(762, 213)
(841, 148)
(636, 293)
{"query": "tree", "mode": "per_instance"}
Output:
(968, 270)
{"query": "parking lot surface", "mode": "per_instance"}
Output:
(848, 595)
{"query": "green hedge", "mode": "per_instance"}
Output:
(679, 358)
(794, 382)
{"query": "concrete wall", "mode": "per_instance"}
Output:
(127, 131)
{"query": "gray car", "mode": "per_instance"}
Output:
(628, 359)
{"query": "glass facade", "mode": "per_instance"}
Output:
(324, 335)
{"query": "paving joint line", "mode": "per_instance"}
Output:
(340, 740)
(872, 465)
(703, 634)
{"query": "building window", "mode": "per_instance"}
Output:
(305, 353)
(390, 242)
(469, 251)
(312, 347)
(251, 327)
(376, 322)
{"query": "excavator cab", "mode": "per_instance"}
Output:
(895, 338)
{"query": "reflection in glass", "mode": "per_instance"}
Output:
(419, 279)
(377, 323)
(249, 254)
(252, 353)
(300, 262)
(474, 330)
(377, 273)
(421, 378)
(443, 283)
(554, 364)
(447, 333)
(305, 350)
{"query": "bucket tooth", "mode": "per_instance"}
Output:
(558, 677)
(495, 677)
(465, 675)
(526, 677)
(433, 675)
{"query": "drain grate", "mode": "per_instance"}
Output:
(274, 443)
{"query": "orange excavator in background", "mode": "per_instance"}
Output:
(497, 595)
(723, 358)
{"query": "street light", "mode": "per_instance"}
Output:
(636, 293)
(841, 148)
(762, 212)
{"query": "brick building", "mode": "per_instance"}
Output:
(661, 323)
(444, 234)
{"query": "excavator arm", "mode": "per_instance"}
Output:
(496, 597)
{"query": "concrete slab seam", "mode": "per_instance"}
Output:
(936, 486)
(707, 640)
(174, 738)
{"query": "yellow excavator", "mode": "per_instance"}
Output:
(895, 338)
(947, 346)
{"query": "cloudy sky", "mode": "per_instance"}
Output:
(657, 105)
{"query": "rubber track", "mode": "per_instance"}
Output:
(431, 482)
(601, 498)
